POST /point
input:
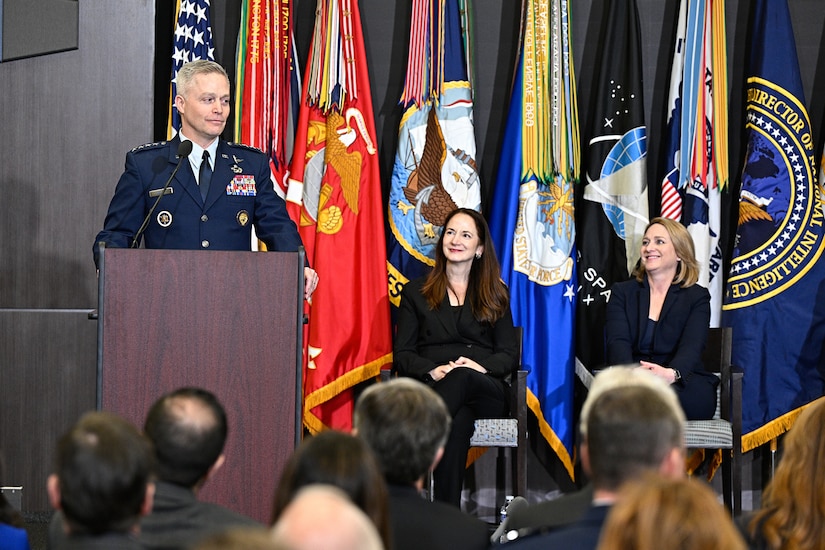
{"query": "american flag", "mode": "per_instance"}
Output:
(192, 40)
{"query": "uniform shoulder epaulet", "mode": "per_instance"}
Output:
(244, 146)
(147, 146)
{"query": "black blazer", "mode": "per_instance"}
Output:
(428, 338)
(681, 331)
(416, 523)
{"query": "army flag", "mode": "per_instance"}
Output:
(532, 224)
(612, 204)
(266, 82)
(435, 168)
(334, 195)
(698, 135)
(671, 204)
(774, 295)
(192, 40)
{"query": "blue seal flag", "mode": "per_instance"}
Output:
(775, 296)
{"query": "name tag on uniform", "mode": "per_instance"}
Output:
(158, 192)
(242, 185)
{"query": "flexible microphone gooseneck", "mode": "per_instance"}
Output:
(184, 149)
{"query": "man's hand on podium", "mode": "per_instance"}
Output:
(310, 283)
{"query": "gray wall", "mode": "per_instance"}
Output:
(66, 121)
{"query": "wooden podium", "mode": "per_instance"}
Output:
(229, 322)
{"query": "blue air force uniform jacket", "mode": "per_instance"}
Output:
(241, 194)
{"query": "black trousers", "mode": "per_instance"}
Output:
(468, 395)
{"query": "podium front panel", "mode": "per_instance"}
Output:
(228, 322)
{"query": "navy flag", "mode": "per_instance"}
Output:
(435, 168)
(775, 296)
(612, 205)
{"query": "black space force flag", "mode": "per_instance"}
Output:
(611, 203)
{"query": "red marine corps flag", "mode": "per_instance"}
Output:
(334, 195)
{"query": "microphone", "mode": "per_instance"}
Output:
(184, 149)
(518, 503)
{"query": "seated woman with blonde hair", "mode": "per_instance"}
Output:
(658, 512)
(659, 318)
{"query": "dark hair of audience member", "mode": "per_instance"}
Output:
(793, 502)
(628, 433)
(344, 461)
(655, 512)
(405, 423)
(8, 514)
(186, 446)
(103, 454)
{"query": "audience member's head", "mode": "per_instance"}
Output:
(240, 538)
(406, 424)
(631, 427)
(793, 503)
(341, 460)
(619, 376)
(660, 512)
(188, 428)
(102, 479)
(321, 517)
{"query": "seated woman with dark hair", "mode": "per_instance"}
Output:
(659, 319)
(344, 461)
(455, 333)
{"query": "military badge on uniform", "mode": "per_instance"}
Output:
(242, 185)
(235, 168)
(165, 218)
(243, 218)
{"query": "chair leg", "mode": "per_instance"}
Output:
(736, 476)
(727, 490)
(518, 462)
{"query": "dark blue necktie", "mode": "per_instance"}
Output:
(205, 175)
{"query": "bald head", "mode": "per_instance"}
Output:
(321, 517)
(188, 428)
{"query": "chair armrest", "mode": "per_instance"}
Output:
(518, 399)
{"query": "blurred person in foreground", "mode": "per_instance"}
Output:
(659, 512)
(188, 429)
(406, 423)
(13, 535)
(792, 515)
(322, 517)
(102, 483)
(341, 460)
(631, 423)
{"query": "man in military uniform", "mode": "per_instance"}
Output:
(221, 190)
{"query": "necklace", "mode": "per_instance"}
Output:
(459, 299)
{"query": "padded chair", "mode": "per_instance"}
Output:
(511, 432)
(724, 430)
